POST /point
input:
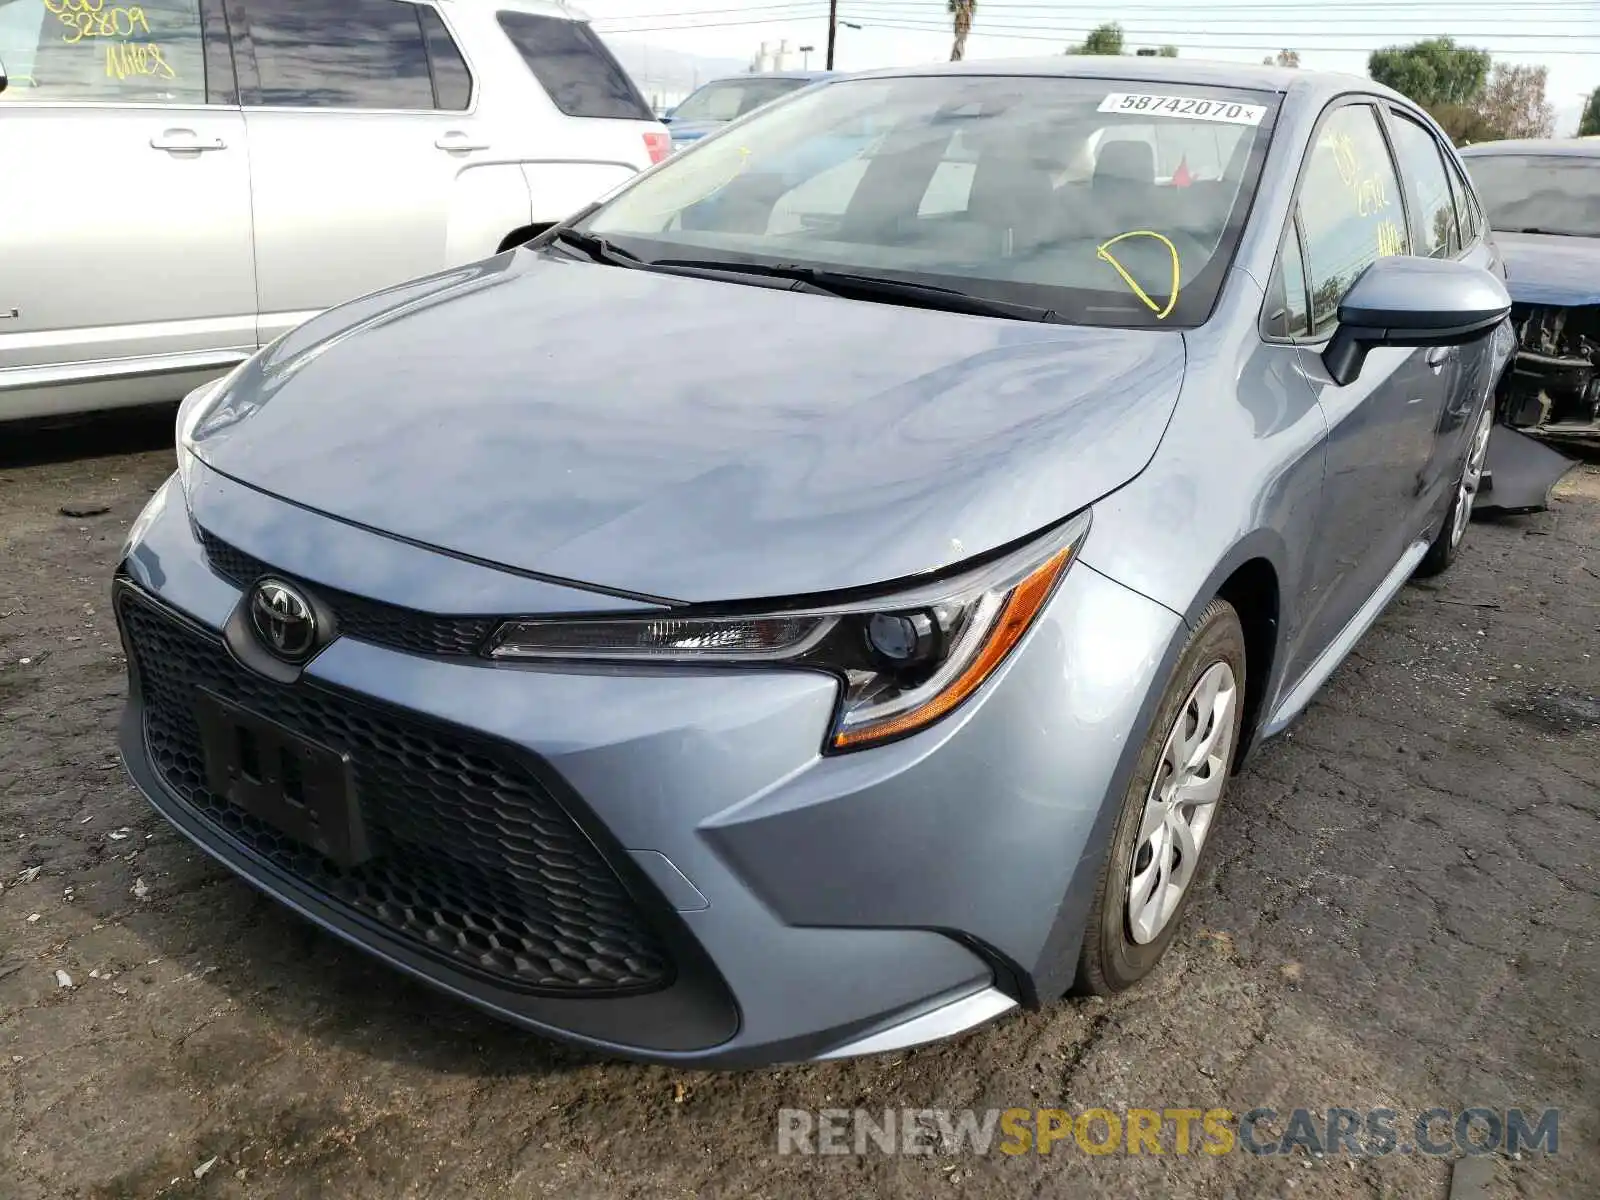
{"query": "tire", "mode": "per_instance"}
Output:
(1135, 913)
(1447, 542)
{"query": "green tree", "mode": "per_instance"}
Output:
(961, 12)
(1284, 58)
(1514, 102)
(1102, 39)
(1432, 72)
(1167, 52)
(1589, 123)
(1465, 124)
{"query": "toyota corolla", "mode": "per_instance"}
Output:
(806, 604)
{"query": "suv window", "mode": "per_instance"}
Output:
(1418, 153)
(452, 81)
(573, 65)
(1350, 208)
(340, 54)
(98, 51)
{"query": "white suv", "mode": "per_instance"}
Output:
(189, 178)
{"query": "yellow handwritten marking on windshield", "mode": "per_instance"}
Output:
(1105, 255)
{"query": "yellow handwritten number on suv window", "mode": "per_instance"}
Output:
(1104, 255)
(117, 22)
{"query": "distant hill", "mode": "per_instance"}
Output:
(667, 76)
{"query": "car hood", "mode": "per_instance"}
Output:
(1545, 269)
(690, 439)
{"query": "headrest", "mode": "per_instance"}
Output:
(1125, 162)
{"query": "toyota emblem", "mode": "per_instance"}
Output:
(283, 620)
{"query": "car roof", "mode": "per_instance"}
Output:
(1563, 147)
(806, 75)
(1156, 70)
(538, 8)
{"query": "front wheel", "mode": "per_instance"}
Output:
(1169, 809)
(1447, 543)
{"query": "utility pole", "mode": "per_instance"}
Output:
(833, 29)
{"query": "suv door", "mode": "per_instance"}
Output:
(127, 274)
(1382, 425)
(361, 116)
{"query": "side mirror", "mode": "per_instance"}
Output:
(1405, 301)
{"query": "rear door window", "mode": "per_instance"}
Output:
(573, 65)
(452, 81)
(1467, 208)
(340, 54)
(92, 51)
(1420, 161)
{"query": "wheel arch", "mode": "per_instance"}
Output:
(1249, 577)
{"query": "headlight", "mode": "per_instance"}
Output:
(905, 660)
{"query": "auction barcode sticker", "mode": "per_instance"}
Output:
(1191, 107)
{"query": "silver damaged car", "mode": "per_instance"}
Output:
(812, 601)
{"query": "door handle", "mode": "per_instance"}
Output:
(459, 143)
(185, 141)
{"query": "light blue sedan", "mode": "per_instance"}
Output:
(807, 606)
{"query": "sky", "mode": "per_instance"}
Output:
(1336, 35)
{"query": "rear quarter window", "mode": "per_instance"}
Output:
(573, 65)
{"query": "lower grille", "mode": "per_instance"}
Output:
(473, 861)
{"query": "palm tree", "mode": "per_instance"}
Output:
(962, 11)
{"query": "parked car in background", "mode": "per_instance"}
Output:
(1543, 201)
(711, 106)
(719, 640)
(187, 179)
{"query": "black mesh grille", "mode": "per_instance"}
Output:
(363, 619)
(472, 859)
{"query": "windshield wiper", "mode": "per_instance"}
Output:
(596, 248)
(1539, 229)
(852, 285)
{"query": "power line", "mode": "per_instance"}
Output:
(1271, 41)
(1267, 42)
(1157, 30)
(1098, 10)
(1558, 27)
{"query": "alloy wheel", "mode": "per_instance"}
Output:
(1471, 477)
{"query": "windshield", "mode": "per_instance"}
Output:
(1528, 193)
(1076, 196)
(730, 98)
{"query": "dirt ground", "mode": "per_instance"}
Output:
(1402, 911)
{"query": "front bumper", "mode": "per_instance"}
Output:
(809, 906)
